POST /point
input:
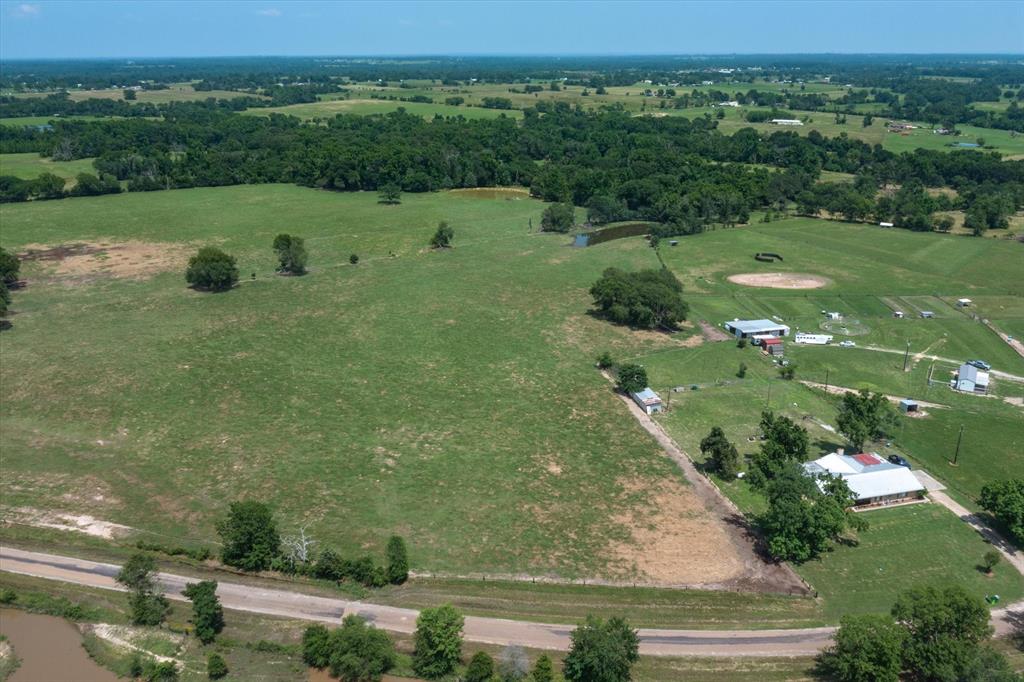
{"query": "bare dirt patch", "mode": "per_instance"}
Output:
(713, 333)
(79, 523)
(780, 280)
(492, 192)
(674, 542)
(128, 260)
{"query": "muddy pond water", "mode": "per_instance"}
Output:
(50, 649)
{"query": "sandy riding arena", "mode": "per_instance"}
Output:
(779, 280)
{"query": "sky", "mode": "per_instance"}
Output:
(186, 28)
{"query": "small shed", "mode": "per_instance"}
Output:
(898, 314)
(963, 302)
(648, 400)
(927, 314)
(773, 346)
(907, 405)
(834, 316)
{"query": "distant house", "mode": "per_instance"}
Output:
(970, 379)
(927, 314)
(813, 339)
(834, 316)
(871, 479)
(729, 104)
(648, 400)
(786, 122)
(747, 329)
(707, 82)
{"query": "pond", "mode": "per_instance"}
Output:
(614, 232)
(50, 649)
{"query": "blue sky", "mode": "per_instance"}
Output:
(160, 28)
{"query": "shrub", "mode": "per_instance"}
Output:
(9, 267)
(480, 669)
(353, 259)
(605, 361)
(216, 666)
(632, 378)
(742, 371)
(291, 254)
(398, 561)
(742, 343)
(211, 269)
(250, 536)
(558, 218)
(442, 238)
(991, 560)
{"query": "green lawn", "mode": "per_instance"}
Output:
(449, 397)
(922, 544)
(30, 166)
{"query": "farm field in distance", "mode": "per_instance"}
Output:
(30, 165)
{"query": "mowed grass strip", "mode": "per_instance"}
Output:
(446, 396)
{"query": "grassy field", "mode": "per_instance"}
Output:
(176, 92)
(449, 397)
(20, 121)
(29, 166)
(331, 108)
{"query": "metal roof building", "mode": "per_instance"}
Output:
(648, 400)
(871, 479)
(744, 329)
(970, 379)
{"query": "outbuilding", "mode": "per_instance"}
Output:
(813, 339)
(908, 406)
(970, 379)
(648, 400)
(927, 314)
(898, 314)
(746, 329)
(963, 302)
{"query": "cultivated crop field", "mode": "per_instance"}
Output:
(446, 396)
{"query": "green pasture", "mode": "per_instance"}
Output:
(29, 166)
(176, 92)
(857, 259)
(333, 107)
(21, 121)
(446, 396)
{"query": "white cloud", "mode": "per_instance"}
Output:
(26, 10)
(272, 12)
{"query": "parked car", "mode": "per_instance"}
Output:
(847, 344)
(980, 364)
(899, 461)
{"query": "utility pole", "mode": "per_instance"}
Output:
(906, 356)
(959, 438)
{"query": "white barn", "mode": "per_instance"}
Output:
(745, 329)
(970, 379)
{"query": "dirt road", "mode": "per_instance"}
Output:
(288, 604)
(993, 372)
(729, 643)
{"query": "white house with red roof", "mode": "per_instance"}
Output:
(871, 479)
